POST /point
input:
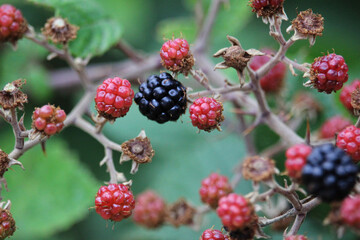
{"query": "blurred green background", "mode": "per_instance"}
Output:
(52, 198)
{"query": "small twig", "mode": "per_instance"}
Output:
(110, 165)
(357, 124)
(223, 90)
(129, 51)
(297, 224)
(19, 140)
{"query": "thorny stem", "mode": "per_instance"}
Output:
(297, 224)
(19, 140)
(110, 165)
(224, 90)
(129, 51)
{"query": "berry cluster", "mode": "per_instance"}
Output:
(349, 140)
(350, 211)
(274, 79)
(345, 95)
(329, 173)
(206, 113)
(48, 119)
(7, 224)
(114, 202)
(296, 159)
(211, 234)
(12, 23)
(332, 126)
(149, 210)
(114, 98)
(161, 98)
(213, 188)
(329, 73)
(236, 212)
(296, 237)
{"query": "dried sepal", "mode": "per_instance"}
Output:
(180, 213)
(4, 162)
(258, 168)
(355, 101)
(138, 149)
(307, 25)
(235, 57)
(11, 96)
(59, 30)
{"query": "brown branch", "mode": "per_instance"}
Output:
(129, 51)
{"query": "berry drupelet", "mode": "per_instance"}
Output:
(211, 234)
(206, 114)
(328, 73)
(273, 81)
(296, 159)
(296, 237)
(149, 210)
(12, 24)
(48, 119)
(332, 126)
(349, 140)
(114, 202)
(329, 173)
(161, 98)
(213, 188)
(345, 94)
(114, 98)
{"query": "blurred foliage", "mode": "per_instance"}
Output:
(50, 199)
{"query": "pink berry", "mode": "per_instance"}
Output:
(211, 234)
(213, 188)
(349, 140)
(273, 81)
(235, 212)
(350, 211)
(150, 210)
(206, 113)
(345, 94)
(296, 237)
(12, 24)
(329, 73)
(296, 159)
(114, 202)
(332, 126)
(114, 98)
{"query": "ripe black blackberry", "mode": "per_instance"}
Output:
(329, 173)
(161, 98)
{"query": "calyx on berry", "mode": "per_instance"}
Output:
(59, 30)
(257, 168)
(269, 10)
(180, 213)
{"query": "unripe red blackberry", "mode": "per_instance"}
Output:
(206, 114)
(213, 188)
(12, 24)
(273, 81)
(296, 237)
(349, 140)
(296, 159)
(266, 8)
(114, 202)
(332, 126)
(328, 73)
(114, 98)
(211, 234)
(175, 55)
(149, 210)
(7, 224)
(236, 212)
(350, 211)
(345, 94)
(48, 119)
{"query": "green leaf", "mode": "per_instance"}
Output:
(98, 32)
(176, 27)
(26, 63)
(53, 193)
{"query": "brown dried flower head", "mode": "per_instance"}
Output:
(59, 30)
(307, 24)
(138, 149)
(4, 162)
(180, 213)
(258, 168)
(235, 57)
(246, 233)
(12, 97)
(355, 100)
(270, 12)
